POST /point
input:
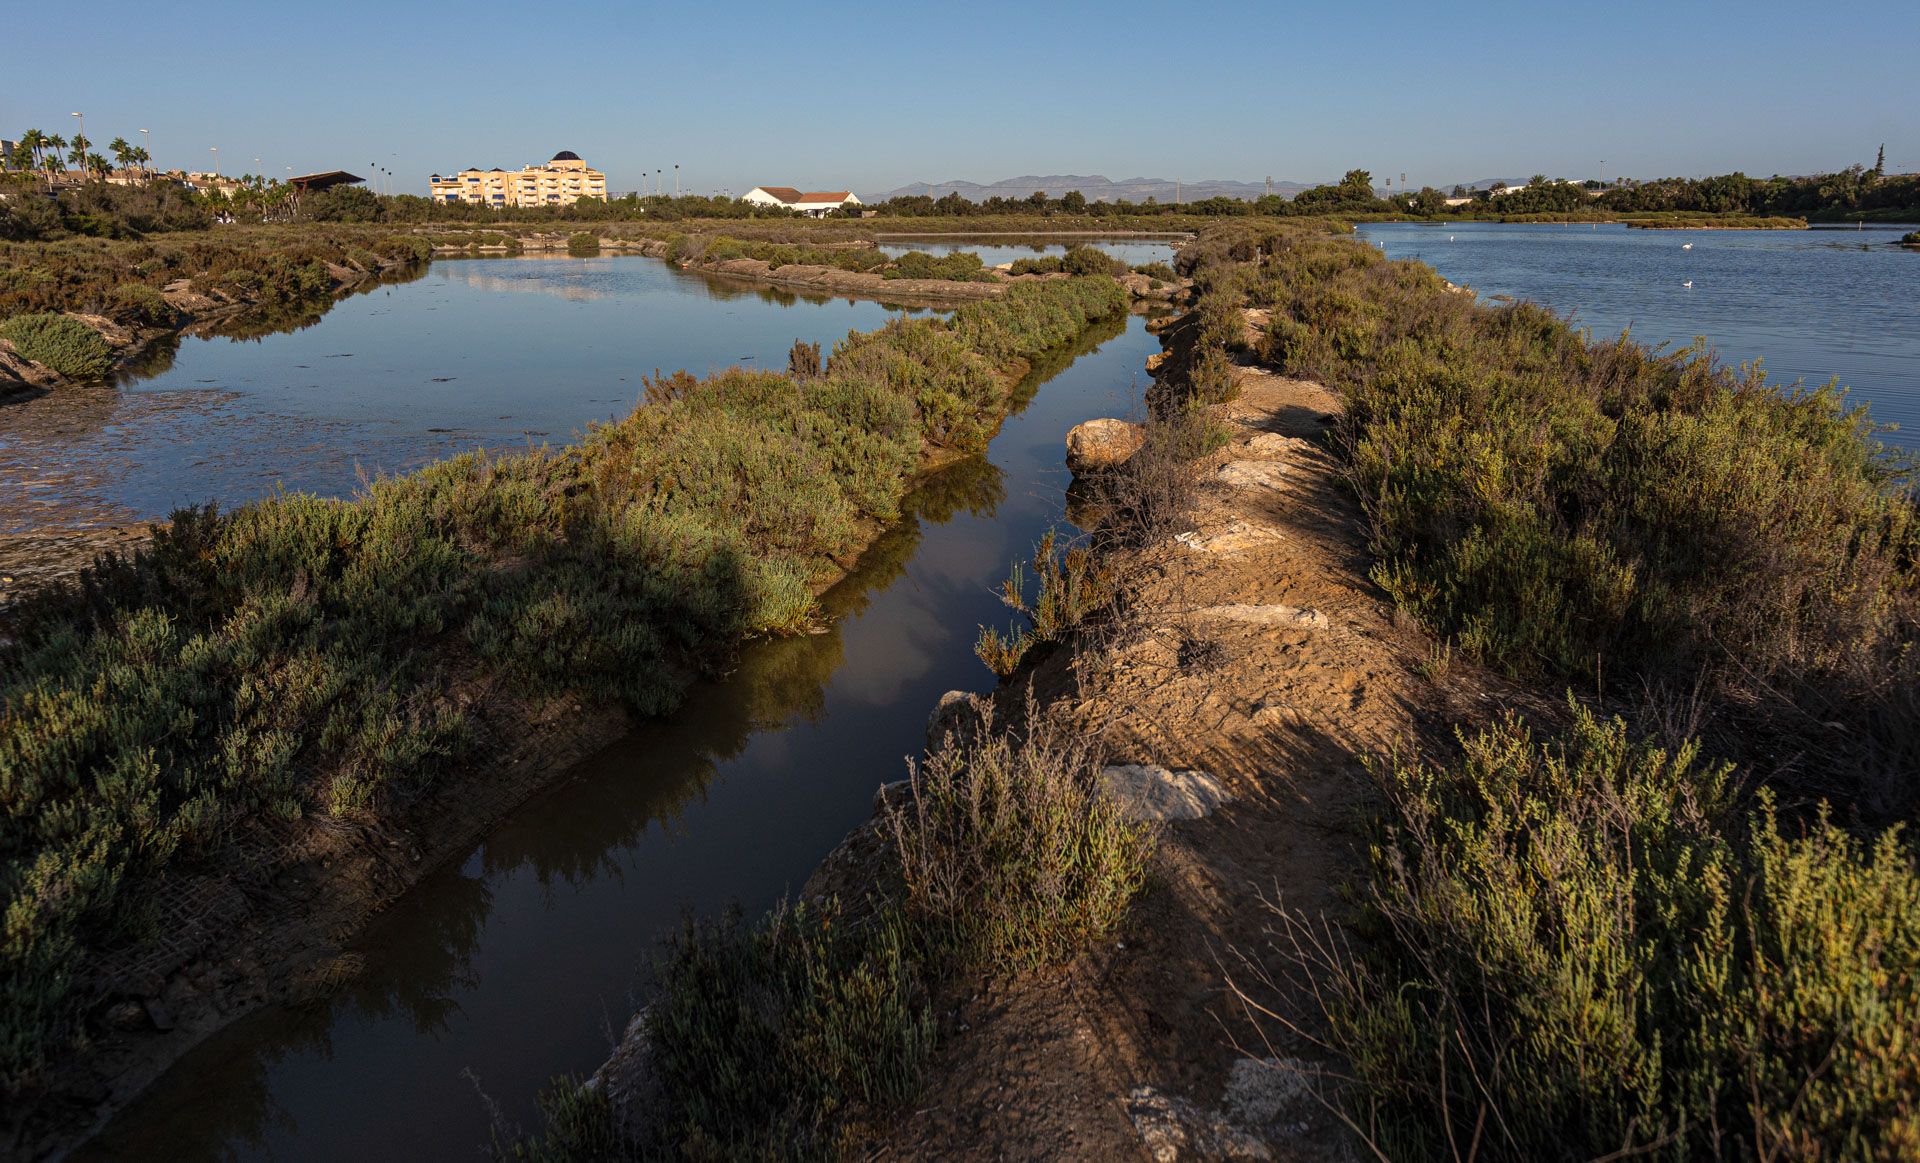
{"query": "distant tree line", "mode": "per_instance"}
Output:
(1854, 192)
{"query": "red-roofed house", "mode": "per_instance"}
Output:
(816, 202)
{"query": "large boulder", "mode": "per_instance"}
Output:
(1098, 445)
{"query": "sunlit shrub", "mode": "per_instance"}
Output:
(60, 343)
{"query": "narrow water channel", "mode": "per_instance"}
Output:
(525, 958)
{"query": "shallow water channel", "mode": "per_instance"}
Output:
(523, 959)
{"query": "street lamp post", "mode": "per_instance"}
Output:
(82, 146)
(676, 179)
(146, 156)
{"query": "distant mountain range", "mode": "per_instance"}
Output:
(1097, 188)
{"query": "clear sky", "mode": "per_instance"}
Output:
(873, 96)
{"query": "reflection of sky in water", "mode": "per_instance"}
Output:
(390, 380)
(517, 962)
(1813, 304)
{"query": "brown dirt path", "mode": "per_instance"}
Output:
(1255, 649)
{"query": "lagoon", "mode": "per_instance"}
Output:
(1811, 304)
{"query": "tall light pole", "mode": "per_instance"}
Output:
(82, 147)
(147, 159)
(215, 151)
(676, 179)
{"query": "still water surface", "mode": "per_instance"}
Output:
(512, 965)
(495, 353)
(1812, 304)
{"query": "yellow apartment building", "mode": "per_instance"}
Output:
(560, 182)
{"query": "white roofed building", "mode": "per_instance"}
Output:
(815, 203)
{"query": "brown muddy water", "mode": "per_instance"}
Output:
(524, 959)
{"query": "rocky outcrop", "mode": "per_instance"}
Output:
(1099, 445)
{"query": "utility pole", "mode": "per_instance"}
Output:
(1176, 191)
(676, 179)
(1269, 185)
(1603, 173)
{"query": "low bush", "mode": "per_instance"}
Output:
(282, 271)
(60, 343)
(1081, 259)
(764, 1038)
(1156, 270)
(1584, 949)
(1011, 857)
(583, 243)
(1073, 585)
(960, 266)
(1597, 511)
(1046, 265)
(306, 658)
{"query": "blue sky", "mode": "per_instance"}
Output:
(876, 96)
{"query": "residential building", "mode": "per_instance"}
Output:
(562, 181)
(816, 203)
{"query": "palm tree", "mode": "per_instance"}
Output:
(34, 141)
(77, 150)
(54, 154)
(141, 156)
(122, 152)
(96, 164)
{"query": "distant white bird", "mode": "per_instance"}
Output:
(1686, 246)
(1688, 284)
(1449, 238)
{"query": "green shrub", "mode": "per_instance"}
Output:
(304, 657)
(584, 242)
(1010, 855)
(1046, 265)
(960, 266)
(1584, 947)
(142, 306)
(1601, 512)
(764, 1036)
(578, 1125)
(1156, 270)
(1081, 259)
(1073, 586)
(60, 343)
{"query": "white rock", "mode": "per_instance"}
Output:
(1274, 615)
(1151, 792)
(1276, 444)
(1237, 537)
(1261, 1091)
(1252, 474)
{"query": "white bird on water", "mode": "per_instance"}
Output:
(1686, 246)
(1688, 284)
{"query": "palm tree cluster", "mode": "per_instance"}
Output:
(51, 153)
